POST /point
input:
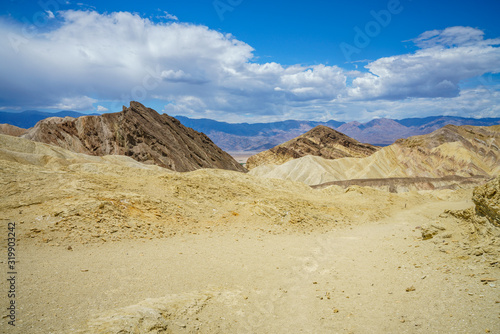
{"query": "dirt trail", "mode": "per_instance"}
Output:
(375, 277)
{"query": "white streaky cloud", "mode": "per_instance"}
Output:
(50, 14)
(481, 101)
(449, 37)
(102, 109)
(169, 16)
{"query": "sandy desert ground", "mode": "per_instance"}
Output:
(116, 247)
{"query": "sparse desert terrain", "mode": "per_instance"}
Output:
(109, 245)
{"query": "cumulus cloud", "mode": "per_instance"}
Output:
(110, 56)
(91, 57)
(121, 56)
(447, 58)
(317, 82)
(78, 103)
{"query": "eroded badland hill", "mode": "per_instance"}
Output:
(110, 245)
(321, 141)
(138, 132)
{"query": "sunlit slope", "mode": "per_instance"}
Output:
(452, 150)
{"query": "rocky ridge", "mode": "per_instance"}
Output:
(238, 137)
(453, 150)
(321, 141)
(138, 132)
(487, 201)
(479, 226)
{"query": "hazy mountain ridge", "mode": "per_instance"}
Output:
(28, 118)
(262, 136)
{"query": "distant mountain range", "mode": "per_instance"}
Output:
(381, 132)
(257, 137)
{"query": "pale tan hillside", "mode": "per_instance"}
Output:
(30, 153)
(111, 245)
(463, 151)
(81, 198)
(11, 130)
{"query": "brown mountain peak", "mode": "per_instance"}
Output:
(325, 133)
(320, 141)
(140, 108)
(138, 132)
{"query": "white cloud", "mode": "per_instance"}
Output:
(169, 16)
(102, 109)
(78, 103)
(112, 56)
(449, 57)
(121, 56)
(449, 37)
(50, 14)
(316, 82)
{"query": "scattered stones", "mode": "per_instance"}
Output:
(171, 314)
(429, 231)
(488, 279)
(411, 288)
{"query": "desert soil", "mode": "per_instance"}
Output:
(374, 277)
(108, 245)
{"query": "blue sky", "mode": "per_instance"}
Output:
(252, 60)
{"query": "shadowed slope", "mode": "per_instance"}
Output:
(321, 141)
(138, 132)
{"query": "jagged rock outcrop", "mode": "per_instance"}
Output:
(452, 150)
(487, 201)
(320, 141)
(11, 130)
(479, 225)
(138, 132)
